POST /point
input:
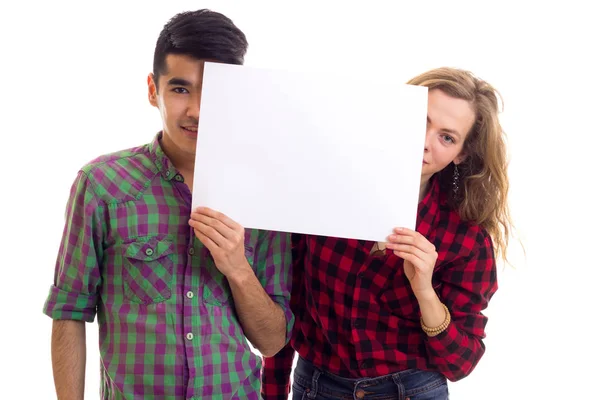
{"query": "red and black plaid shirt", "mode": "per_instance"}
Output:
(356, 315)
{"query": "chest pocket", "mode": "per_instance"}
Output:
(148, 270)
(216, 290)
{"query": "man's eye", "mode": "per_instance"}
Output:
(180, 90)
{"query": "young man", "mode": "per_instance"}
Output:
(176, 290)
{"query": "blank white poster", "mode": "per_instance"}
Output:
(315, 153)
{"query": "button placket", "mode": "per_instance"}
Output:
(359, 321)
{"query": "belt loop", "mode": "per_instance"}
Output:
(400, 385)
(314, 387)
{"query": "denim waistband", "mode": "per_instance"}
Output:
(401, 384)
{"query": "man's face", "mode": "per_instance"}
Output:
(178, 100)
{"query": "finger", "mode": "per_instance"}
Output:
(218, 225)
(206, 241)
(209, 232)
(220, 216)
(408, 236)
(406, 248)
(414, 260)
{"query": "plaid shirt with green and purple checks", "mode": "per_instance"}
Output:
(167, 322)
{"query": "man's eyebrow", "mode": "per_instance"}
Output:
(446, 130)
(178, 82)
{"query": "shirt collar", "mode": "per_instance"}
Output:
(161, 161)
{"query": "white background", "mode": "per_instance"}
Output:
(73, 77)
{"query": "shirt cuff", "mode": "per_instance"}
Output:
(289, 315)
(61, 304)
(446, 342)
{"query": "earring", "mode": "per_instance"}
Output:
(455, 181)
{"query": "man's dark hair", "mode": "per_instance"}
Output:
(201, 34)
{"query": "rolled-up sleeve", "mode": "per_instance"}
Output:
(467, 288)
(74, 293)
(273, 262)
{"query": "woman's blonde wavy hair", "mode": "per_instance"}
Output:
(482, 196)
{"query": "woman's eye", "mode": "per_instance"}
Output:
(448, 139)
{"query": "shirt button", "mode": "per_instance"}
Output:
(190, 294)
(191, 251)
(364, 365)
(358, 323)
(149, 252)
(178, 178)
(189, 336)
(168, 173)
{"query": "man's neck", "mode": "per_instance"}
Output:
(184, 162)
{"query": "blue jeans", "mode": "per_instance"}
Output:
(313, 383)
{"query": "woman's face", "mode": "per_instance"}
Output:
(449, 120)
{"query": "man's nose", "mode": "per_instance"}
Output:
(194, 106)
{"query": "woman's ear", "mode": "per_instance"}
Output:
(460, 158)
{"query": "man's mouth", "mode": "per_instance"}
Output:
(191, 129)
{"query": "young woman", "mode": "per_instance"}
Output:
(401, 318)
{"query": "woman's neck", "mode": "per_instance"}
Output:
(425, 184)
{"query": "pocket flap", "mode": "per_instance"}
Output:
(149, 249)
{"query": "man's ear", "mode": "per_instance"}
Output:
(152, 90)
